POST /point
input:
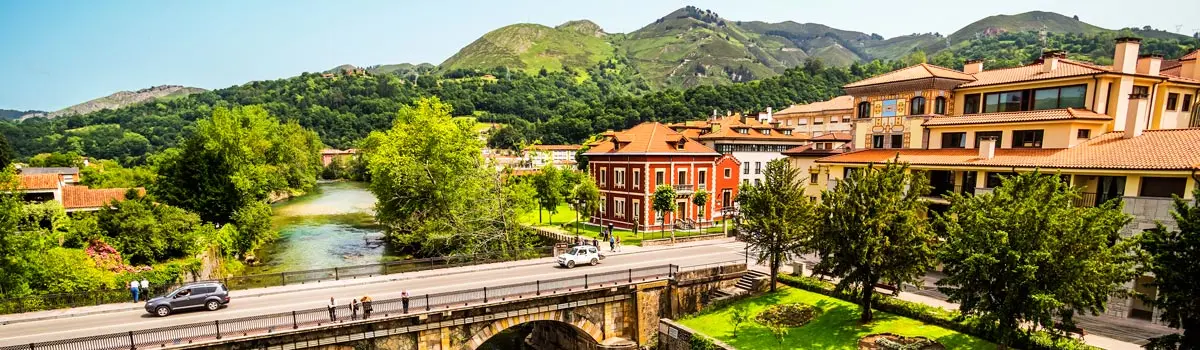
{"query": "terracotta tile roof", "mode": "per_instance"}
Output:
(556, 147)
(49, 170)
(840, 102)
(329, 151)
(649, 137)
(1018, 117)
(81, 197)
(39, 181)
(725, 128)
(920, 71)
(1066, 68)
(834, 136)
(810, 150)
(1177, 149)
(1191, 55)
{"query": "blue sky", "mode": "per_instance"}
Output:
(55, 53)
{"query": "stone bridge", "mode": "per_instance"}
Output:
(615, 316)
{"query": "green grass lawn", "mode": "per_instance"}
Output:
(563, 215)
(836, 328)
(564, 220)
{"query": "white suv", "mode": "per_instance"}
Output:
(580, 254)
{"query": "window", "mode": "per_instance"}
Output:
(619, 207)
(1027, 139)
(603, 177)
(1187, 103)
(980, 135)
(897, 141)
(746, 170)
(743, 131)
(916, 106)
(679, 145)
(766, 131)
(619, 177)
(788, 132)
(682, 178)
(701, 177)
(757, 168)
(833, 120)
(1008, 101)
(845, 119)
(659, 176)
(1162, 187)
(788, 122)
(637, 210)
(637, 178)
(728, 173)
(971, 104)
(939, 105)
(757, 182)
(1172, 101)
(1059, 97)
(1084, 133)
(802, 121)
(818, 121)
(954, 140)
(812, 178)
(1141, 90)
(876, 141)
(864, 109)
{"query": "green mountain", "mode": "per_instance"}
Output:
(122, 99)
(532, 47)
(1035, 21)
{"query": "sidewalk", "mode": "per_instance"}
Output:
(255, 292)
(1091, 339)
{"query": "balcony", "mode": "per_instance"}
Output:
(1088, 199)
(684, 188)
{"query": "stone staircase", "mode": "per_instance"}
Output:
(744, 285)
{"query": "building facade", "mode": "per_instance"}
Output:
(629, 165)
(1127, 132)
(537, 156)
(819, 118)
(752, 141)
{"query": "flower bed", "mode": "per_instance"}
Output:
(788, 315)
(888, 341)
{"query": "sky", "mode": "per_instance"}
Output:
(56, 53)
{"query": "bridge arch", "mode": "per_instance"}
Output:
(581, 324)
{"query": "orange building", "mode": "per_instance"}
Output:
(628, 166)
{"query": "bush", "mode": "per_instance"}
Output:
(701, 342)
(788, 315)
(952, 320)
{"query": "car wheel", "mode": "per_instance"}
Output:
(570, 264)
(594, 261)
(212, 305)
(162, 311)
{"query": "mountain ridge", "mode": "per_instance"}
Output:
(120, 99)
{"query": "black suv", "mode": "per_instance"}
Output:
(208, 295)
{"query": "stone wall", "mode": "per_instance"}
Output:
(691, 290)
(669, 241)
(1146, 211)
(674, 336)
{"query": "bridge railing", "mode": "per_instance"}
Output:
(270, 323)
(29, 303)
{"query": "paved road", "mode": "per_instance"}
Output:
(113, 322)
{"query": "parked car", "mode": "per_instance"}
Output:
(207, 295)
(580, 254)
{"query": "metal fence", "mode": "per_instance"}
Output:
(70, 300)
(265, 324)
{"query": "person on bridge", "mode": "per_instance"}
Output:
(353, 309)
(332, 310)
(366, 305)
(133, 289)
(404, 300)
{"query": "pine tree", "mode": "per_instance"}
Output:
(1175, 262)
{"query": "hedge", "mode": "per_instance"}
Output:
(953, 320)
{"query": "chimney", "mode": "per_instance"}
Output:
(770, 116)
(987, 148)
(1125, 57)
(1135, 120)
(1149, 64)
(1050, 60)
(973, 66)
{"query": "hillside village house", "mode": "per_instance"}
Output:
(752, 141)
(628, 166)
(1129, 131)
(58, 184)
(537, 156)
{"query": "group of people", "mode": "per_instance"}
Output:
(606, 234)
(363, 304)
(138, 289)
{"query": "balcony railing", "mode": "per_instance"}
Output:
(684, 188)
(1089, 199)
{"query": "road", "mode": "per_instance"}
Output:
(122, 321)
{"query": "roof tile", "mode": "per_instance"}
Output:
(1066, 68)
(80, 197)
(47, 181)
(649, 137)
(836, 103)
(919, 71)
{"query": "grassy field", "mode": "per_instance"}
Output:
(564, 220)
(836, 328)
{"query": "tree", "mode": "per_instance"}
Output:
(700, 200)
(586, 198)
(1005, 253)
(874, 230)
(549, 185)
(778, 219)
(739, 314)
(56, 159)
(5, 152)
(664, 201)
(106, 173)
(1174, 258)
(435, 192)
(146, 232)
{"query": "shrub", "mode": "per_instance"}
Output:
(701, 342)
(788, 315)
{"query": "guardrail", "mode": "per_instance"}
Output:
(69, 300)
(316, 317)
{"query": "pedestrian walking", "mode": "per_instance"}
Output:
(353, 309)
(366, 305)
(332, 310)
(618, 244)
(596, 243)
(612, 244)
(577, 241)
(404, 300)
(145, 288)
(133, 289)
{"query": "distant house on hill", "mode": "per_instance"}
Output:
(56, 184)
(329, 154)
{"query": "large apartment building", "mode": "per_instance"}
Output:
(819, 118)
(753, 141)
(1129, 131)
(628, 166)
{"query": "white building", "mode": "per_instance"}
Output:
(537, 156)
(752, 141)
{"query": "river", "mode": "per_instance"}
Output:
(333, 226)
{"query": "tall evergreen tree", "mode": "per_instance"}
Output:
(778, 220)
(1175, 262)
(1024, 254)
(875, 230)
